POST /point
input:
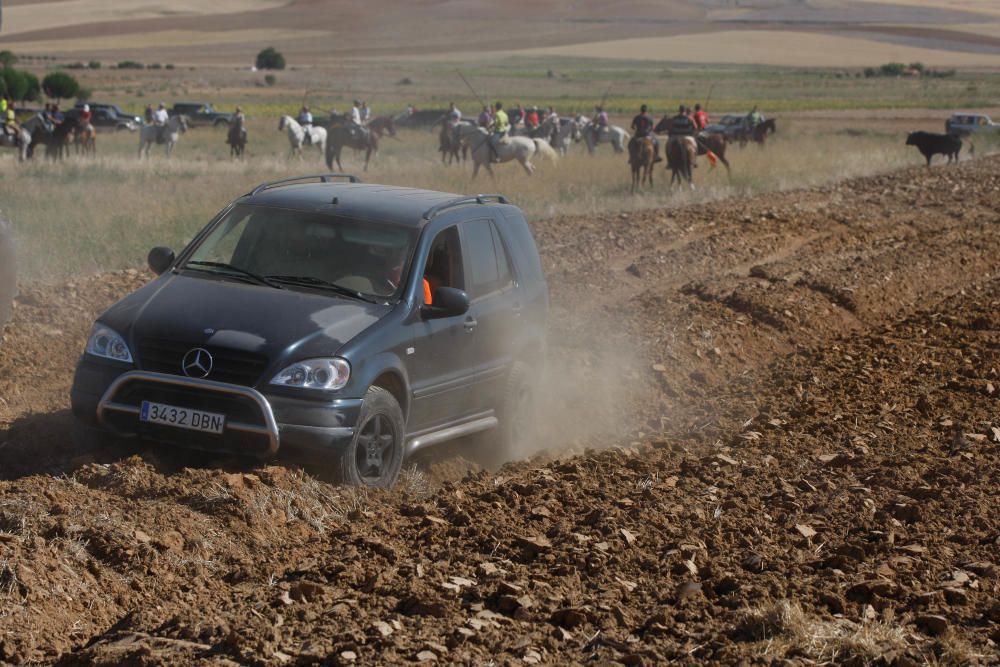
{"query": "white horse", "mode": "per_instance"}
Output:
(521, 149)
(610, 134)
(297, 136)
(21, 141)
(561, 139)
(150, 134)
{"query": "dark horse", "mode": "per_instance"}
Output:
(707, 141)
(345, 134)
(760, 132)
(681, 154)
(57, 142)
(237, 140)
(451, 147)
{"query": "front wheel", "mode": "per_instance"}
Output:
(375, 455)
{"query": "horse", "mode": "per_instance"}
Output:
(237, 140)
(521, 149)
(681, 154)
(297, 135)
(759, 133)
(708, 142)
(56, 142)
(641, 161)
(347, 134)
(21, 140)
(559, 137)
(162, 134)
(610, 134)
(450, 145)
(85, 140)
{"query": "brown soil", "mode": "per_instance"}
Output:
(772, 436)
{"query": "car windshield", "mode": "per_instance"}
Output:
(308, 251)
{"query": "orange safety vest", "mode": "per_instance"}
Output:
(428, 299)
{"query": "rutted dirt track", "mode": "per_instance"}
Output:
(792, 407)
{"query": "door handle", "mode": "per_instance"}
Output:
(470, 324)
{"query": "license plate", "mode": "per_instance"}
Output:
(170, 415)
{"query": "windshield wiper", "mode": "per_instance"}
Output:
(235, 269)
(310, 281)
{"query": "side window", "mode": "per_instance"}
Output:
(444, 263)
(487, 259)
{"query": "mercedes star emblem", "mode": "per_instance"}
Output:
(197, 363)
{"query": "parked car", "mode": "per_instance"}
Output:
(964, 124)
(731, 125)
(358, 322)
(107, 116)
(200, 113)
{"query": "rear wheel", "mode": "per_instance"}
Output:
(8, 273)
(517, 415)
(375, 455)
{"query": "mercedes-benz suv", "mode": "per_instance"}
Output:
(360, 323)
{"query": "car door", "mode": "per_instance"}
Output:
(442, 378)
(492, 312)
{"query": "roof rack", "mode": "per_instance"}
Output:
(462, 201)
(323, 178)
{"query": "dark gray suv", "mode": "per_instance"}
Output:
(358, 322)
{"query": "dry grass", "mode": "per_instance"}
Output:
(89, 215)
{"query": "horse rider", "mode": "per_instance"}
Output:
(366, 114)
(754, 118)
(148, 114)
(85, 117)
(642, 125)
(600, 123)
(517, 116)
(501, 126)
(552, 117)
(305, 119)
(10, 125)
(357, 122)
(531, 119)
(160, 118)
(237, 127)
(681, 125)
(454, 115)
(700, 118)
(485, 118)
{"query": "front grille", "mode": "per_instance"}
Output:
(232, 366)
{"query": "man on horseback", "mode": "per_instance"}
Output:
(517, 116)
(681, 125)
(700, 118)
(754, 118)
(10, 125)
(485, 118)
(366, 114)
(642, 125)
(357, 124)
(160, 118)
(237, 128)
(531, 118)
(85, 117)
(305, 119)
(454, 115)
(501, 126)
(600, 123)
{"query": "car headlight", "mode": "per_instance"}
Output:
(329, 374)
(107, 344)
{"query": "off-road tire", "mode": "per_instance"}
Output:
(517, 417)
(8, 272)
(378, 437)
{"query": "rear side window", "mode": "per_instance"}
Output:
(488, 265)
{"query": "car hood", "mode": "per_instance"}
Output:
(253, 318)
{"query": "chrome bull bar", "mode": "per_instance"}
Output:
(269, 429)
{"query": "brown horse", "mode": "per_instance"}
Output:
(85, 140)
(681, 155)
(450, 146)
(707, 142)
(760, 132)
(641, 160)
(346, 134)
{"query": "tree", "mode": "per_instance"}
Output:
(60, 85)
(7, 59)
(18, 84)
(269, 58)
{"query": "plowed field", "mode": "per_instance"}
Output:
(771, 434)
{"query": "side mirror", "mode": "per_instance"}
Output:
(160, 259)
(448, 302)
